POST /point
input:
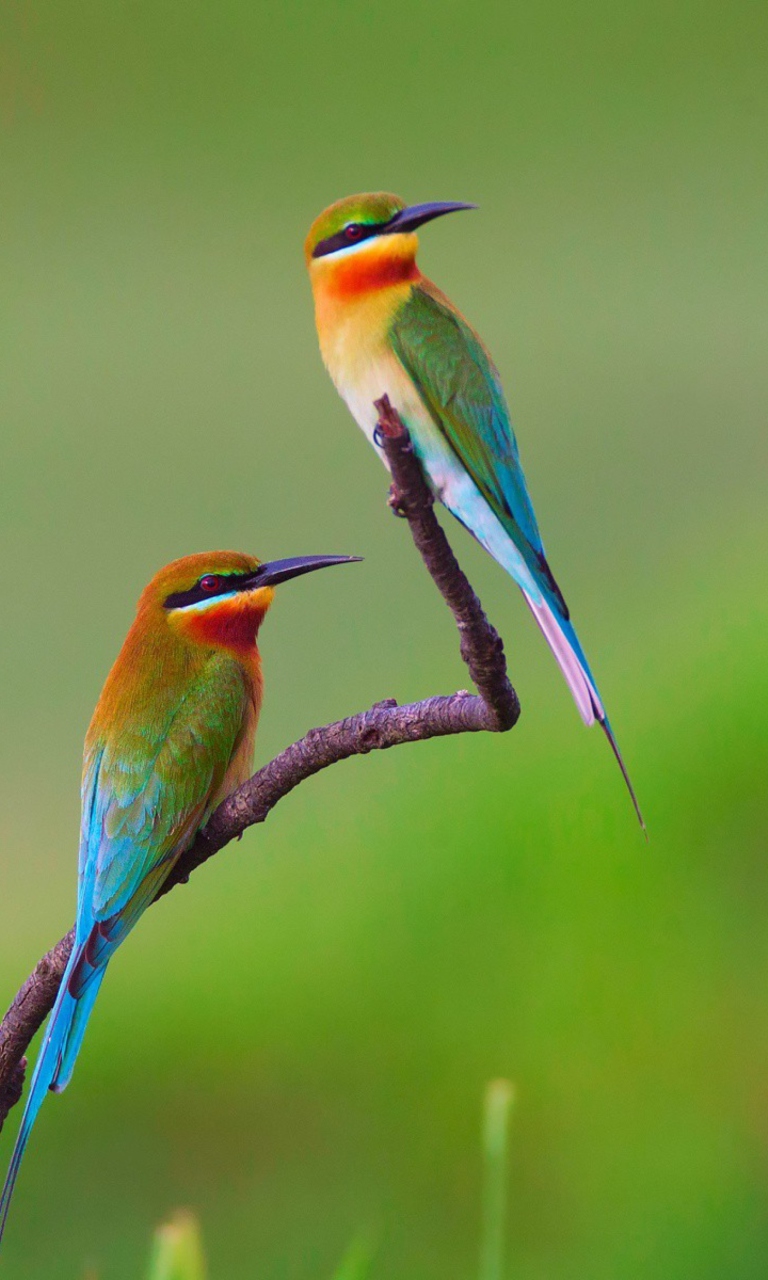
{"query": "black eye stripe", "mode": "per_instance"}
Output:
(342, 241)
(228, 582)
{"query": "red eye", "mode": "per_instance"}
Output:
(209, 583)
(353, 231)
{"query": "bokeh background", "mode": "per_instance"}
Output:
(296, 1044)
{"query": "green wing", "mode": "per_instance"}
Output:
(146, 791)
(460, 386)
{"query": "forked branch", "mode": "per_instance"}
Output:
(494, 708)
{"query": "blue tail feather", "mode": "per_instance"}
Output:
(73, 1038)
(95, 944)
(53, 1069)
(545, 600)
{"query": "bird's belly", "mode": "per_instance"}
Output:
(373, 374)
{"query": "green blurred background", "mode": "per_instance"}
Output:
(296, 1044)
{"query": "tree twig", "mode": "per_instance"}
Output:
(481, 646)
(494, 709)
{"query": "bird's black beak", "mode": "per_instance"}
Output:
(274, 571)
(417, 214)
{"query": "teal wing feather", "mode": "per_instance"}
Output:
(146, 792)
(461, 388)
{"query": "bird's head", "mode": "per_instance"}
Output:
(219, 598)
(369, 238)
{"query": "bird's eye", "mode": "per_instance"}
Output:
(210, 582)
(353, 231)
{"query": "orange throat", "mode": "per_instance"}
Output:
(379, 264)
(231, 624)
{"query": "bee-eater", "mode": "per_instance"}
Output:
(385, 328)
(172, 735)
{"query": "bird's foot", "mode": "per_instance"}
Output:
(380, 437)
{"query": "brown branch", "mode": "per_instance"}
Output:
(481, 645)
(386, 724)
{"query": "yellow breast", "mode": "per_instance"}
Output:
(356, 298)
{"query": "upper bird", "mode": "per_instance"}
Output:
(386, 328)
(172, 735)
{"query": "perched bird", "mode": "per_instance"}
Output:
(385, 328)
(172, 735)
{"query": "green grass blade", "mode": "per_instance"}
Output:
(356, 1263)
(178, 1250)
(499, 1097)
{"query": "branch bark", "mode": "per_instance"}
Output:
(494, 709)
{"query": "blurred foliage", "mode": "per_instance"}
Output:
(292, 1045)
(178, 1253)
(178, 1250)
(356, 1263)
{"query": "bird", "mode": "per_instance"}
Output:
(384, 328)
(172, 736)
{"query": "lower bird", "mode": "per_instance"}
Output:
(172, 735)
(385, 328)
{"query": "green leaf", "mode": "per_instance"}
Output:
(178, 1250)
(499, 1097)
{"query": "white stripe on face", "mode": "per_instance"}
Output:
(200, 606)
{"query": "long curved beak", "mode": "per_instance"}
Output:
(417, 214)
(274, 571)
